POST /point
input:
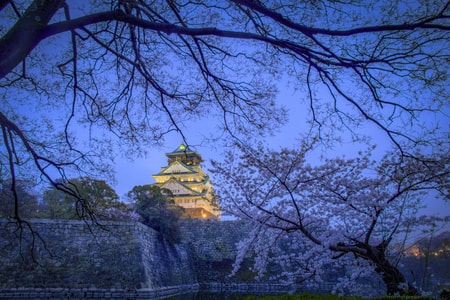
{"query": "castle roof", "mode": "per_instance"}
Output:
(183, 190)
(177, 167)
(184, 150)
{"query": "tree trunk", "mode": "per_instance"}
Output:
(394, 280)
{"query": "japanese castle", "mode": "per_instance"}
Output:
(190, 187)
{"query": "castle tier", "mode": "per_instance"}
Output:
(190, 187)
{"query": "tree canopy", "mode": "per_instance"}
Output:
(28, 205)
(100, 200)
(156, 210)
(77, 76)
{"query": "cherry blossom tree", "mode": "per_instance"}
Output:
(81, 81)
(339, 212)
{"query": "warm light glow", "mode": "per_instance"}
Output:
(174, 178)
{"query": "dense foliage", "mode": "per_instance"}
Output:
(28, 205)
(156, 210)
(100, 200)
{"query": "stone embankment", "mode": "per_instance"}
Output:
(73, 258)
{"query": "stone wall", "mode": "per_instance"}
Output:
(71, 254)
(72, 259)
(164, 263)
(212, 245)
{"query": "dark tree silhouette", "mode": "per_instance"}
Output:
(157, 211)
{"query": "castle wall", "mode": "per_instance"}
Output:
(120, 255)
(120, 259)
(212, 245)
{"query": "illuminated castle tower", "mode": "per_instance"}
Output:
(190, 186)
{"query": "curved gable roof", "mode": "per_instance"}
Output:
(174, 185)
(177, 167)
(184, 150)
